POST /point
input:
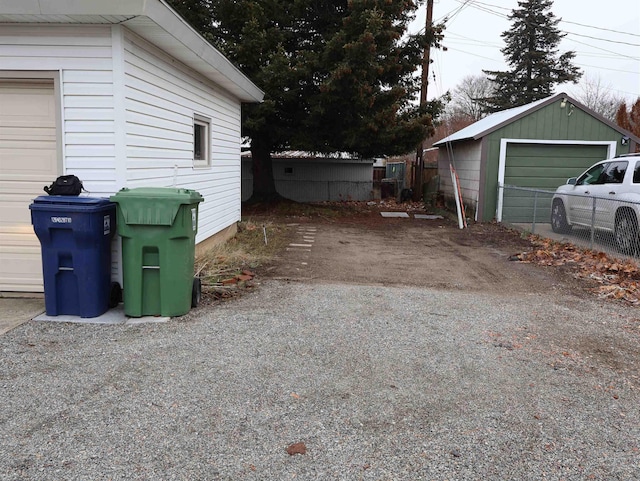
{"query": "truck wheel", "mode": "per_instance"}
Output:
(559, 222)
(626, 232)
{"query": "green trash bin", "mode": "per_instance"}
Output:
(158, 227)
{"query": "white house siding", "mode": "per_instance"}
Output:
(161, 98)
(466, 160)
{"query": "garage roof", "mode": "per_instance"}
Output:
(497, 120)
(153, 20)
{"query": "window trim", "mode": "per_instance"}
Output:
(204, 122)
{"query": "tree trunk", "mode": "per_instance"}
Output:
(264, 187)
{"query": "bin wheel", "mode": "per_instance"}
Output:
(115, 295)
(196, 293)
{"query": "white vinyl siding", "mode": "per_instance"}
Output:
(466, 161)
(125, 114)
(83, 56)
(161, 99)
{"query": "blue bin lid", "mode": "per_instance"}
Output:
(66, 203)
(70, 200)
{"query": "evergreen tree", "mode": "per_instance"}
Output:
(338, 75)
(531, 52)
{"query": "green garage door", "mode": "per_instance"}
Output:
(542, 166)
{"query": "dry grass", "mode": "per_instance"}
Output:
(254, 246)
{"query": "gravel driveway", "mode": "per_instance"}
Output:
(410, 382)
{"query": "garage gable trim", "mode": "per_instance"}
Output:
(611, 145)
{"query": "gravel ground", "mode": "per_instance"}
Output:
(379, 383)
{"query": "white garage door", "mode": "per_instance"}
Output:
(27, 162)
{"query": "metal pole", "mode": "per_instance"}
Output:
(593, 222)
(535, 207)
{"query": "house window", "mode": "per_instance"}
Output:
(201, 141)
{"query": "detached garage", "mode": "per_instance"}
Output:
(121, 94)
(538, 145)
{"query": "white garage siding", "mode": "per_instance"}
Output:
(125, 115)
(467, 164)
(79, 59)
(89, 129)
(161, 98)
(82, 55)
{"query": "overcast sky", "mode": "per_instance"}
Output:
(604, 34)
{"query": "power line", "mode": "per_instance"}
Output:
(474, 54)
(457, 39)
(600, 67)
(455, 11)
(600, 28)
(603, 39)
(470, 43)
(597, 27)
(484, 8)
(608, 51)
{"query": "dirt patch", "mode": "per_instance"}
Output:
(467, 259)
(353, 243)
(412, 252)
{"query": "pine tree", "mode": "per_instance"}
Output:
(531, 52)
(338, 75)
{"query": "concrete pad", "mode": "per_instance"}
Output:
(16, 311)
(132, 321)
(394, 214)
(112, 316)
(428, 216)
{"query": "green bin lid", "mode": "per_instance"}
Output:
(153, 205)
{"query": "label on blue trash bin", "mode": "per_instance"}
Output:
(194, 220)
(107, 224)
(61, 220)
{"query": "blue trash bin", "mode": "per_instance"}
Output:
(75, 237)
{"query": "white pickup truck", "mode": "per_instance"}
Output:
(605, 197)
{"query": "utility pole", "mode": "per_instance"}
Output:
(419, 164)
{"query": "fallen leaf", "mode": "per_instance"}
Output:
(297, 448)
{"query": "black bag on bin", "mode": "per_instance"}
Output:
(65, 185)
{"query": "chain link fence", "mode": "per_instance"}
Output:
(590, 221)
